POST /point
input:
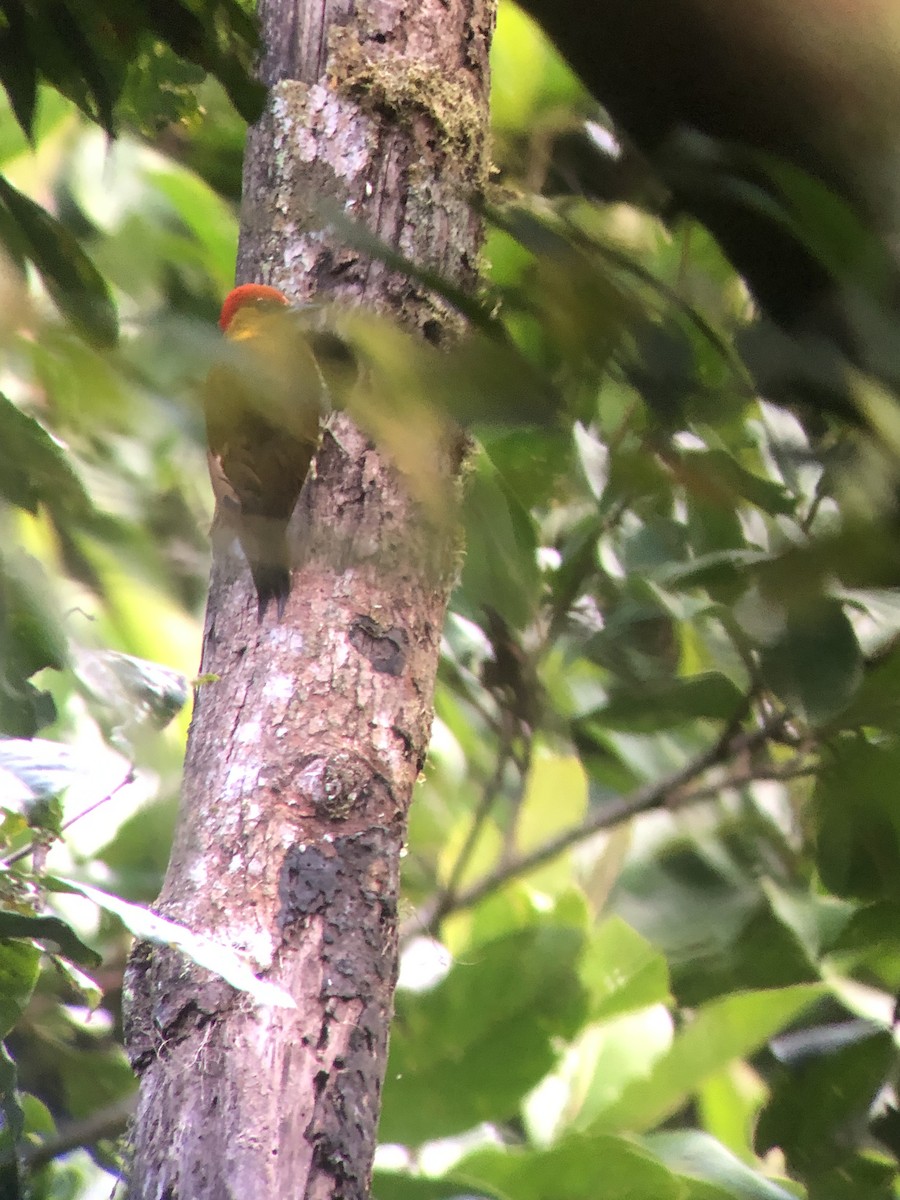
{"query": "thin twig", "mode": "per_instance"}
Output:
(38, 842)
(741, 779)
(446, 897)
(818, 499)
(652, 795)
(523, 765)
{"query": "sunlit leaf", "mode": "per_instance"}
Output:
(622, 971)
(614, 1168)
(198, 40)
(608, 1059)
(141, 691)
(46, 768)
(555, 798)
(719, 1033)
(204, 951)
(696, 1155)
(387, 1185)
(468, 1049)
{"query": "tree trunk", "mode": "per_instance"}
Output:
(304, 749)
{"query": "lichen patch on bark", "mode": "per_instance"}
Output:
(406, 89)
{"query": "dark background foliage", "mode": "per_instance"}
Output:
(651, 891)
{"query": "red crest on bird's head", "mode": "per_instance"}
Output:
(248, 293)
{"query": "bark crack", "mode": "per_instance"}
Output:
(384, 647)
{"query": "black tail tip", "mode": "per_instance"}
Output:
(271, 583)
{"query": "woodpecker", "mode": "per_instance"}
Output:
(263, 403)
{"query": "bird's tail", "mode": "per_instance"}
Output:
(264, 541)
(272, 582)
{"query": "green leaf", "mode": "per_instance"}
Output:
(13, 1126)
(555, 798)
(712, 529)
(35, 638)
(31, 638)
(468, 1050)
(877, 702)
(140, 690)
(52, 109)
(24, 709)
(94, 1078)
(857, 820)
(49, 929)
(715, 474)
(870, 942)
(659, 704)
(532, 462)
(80, 53)
(817, 1111)
(75, 284)
(696, 1155)
(688, 900)
(726, 569)
(602, 1064)
(161, 89)
(862, 1177)
(18, 71)
(500, 570)
(834, 230)
(46, 768)
(719, 1033)
(815, 666)
(727, 1105)
(599, 1166)
(138, 851)
(229, 59)
(34, 467)
(387, 1185)
(518, 906)
(208, 217)
(763, 951)
(19, 969)
(658, 542)
(663, 370)
(622, 971)
(531, 74)
(638, 640)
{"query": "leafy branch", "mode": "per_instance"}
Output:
(671, 791)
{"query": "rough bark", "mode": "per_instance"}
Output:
(304, 751)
